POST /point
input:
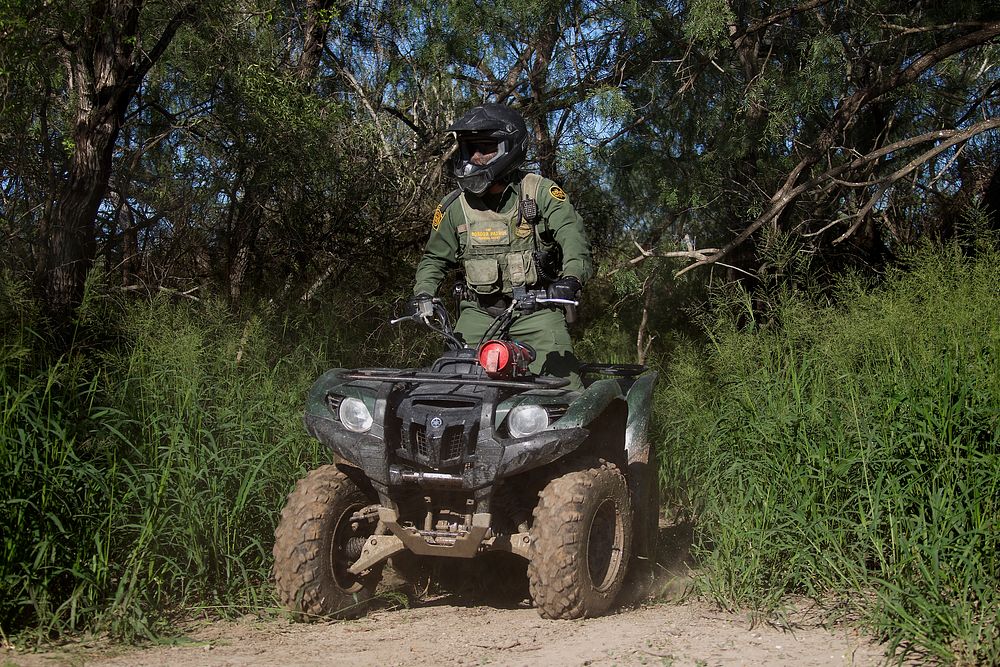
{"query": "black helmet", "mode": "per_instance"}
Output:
(492, 143)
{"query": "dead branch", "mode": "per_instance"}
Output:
(908, 168)
(914, 30)
(187, 294)
(952, 137)
(643, 339)
(695, 254)
(353, 82)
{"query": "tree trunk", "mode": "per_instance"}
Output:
(105, 64)
(991, 200)
(313, 37)
(538, 77)
(72, 242)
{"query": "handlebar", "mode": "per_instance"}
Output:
(525, 300)
(432, 313)
(558, 302)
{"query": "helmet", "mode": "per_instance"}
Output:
(492, 143)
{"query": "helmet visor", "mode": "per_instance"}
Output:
(479, 151)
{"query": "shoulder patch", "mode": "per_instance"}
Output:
(438, 217)
(557, 193)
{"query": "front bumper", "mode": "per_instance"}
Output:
(494, 458)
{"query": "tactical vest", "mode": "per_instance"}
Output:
(499, 248)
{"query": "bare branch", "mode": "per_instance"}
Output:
(909, 167)
(365, 102)
(787, 194)
(705, 254)
(643, 339)
(914, 30)
(147, 60)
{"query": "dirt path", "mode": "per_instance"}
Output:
(442, 632)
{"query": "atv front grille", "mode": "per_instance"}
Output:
(452, 443)
(438, 429)
(423, 448)
(450, 446)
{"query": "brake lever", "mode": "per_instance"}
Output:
(424, 313)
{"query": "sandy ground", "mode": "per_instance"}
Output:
(463, 629)
(449, 631)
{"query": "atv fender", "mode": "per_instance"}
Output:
(642, 468)
(590, 404)
(363, 450)
(564, 436)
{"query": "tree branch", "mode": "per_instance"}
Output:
(845, 113)
(147, 60)
(776, 17)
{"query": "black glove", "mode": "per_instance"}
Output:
(419, 304)
(567, 287)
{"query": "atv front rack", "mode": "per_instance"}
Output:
(425, 377)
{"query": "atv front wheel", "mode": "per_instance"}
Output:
(581, 542)
(316, 541)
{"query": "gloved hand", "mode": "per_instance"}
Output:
(419, 304)
(567, 287)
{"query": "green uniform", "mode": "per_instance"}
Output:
(491, 241)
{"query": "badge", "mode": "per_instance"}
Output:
(523, 230)
(438, 217)
(489, 235)
(557, 193)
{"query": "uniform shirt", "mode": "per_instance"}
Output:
(556, 217)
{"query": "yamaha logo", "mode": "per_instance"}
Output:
(436, 422)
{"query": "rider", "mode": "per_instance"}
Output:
(509, 230)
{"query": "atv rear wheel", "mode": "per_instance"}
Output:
(316, 541)
(581, 542)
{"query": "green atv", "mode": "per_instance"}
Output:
(473, 455)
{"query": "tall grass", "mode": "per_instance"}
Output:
(143, 471)
(851, 449)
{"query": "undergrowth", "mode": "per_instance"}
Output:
(143, 470)
(850, 448)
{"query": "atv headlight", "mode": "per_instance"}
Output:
(527, 420)
(354, 415)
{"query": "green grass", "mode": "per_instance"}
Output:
(142, 471)
(143, 476)
(852, 450)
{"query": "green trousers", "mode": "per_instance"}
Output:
(544, 331)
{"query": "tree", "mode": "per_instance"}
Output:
(105, 49)
(817, 118)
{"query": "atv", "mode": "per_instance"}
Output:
(474, 455)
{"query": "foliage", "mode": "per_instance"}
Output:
(146, 475)
(852, 449)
